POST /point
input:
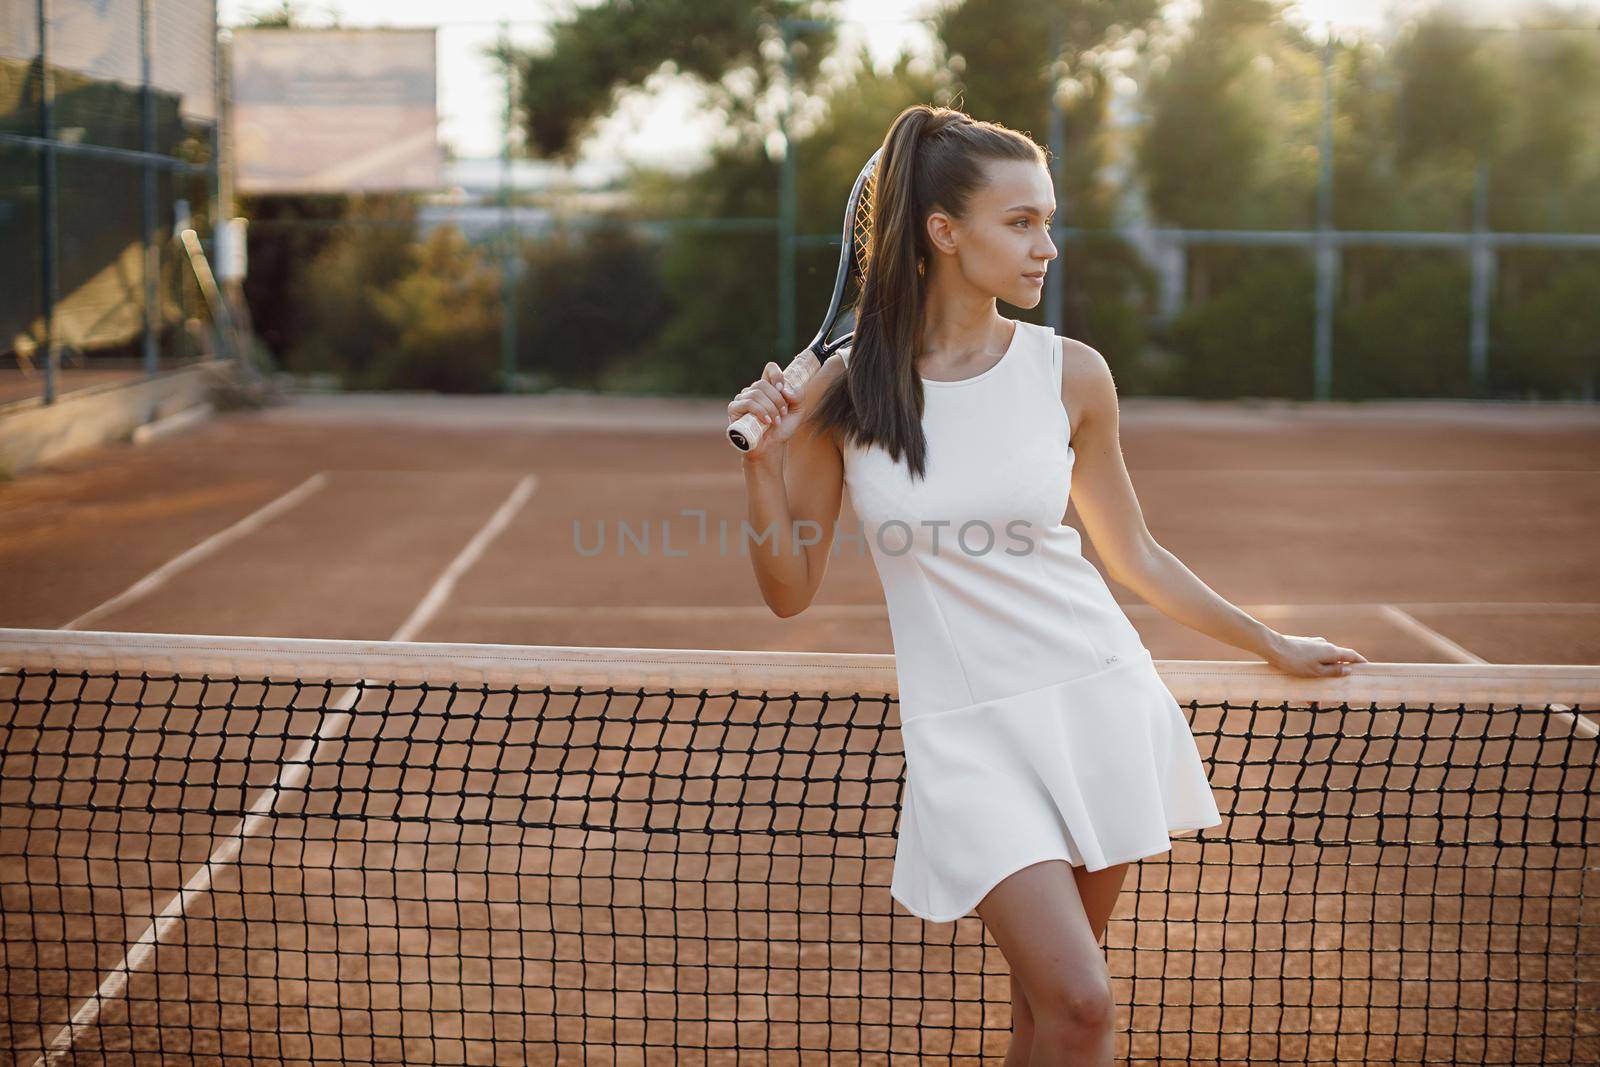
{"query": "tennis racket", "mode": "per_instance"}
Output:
(856, 249)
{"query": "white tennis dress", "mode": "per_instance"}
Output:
(1035, 725)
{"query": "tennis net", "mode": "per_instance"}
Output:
(244, 850)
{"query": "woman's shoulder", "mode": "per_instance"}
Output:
(1087, 387)
(1079, 359)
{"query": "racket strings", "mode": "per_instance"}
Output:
(861, 239)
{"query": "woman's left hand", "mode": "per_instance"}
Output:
(1311, 657)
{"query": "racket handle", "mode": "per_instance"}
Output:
(747, 430)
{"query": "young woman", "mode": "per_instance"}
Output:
(1043, 752)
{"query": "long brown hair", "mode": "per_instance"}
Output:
(932, 161)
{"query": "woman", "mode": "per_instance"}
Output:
(1043, 752)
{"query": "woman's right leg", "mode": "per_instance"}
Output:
(1037, 918)
(1021, 1048)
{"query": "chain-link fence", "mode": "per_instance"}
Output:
(1270, 210)
(108, 146)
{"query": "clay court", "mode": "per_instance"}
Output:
(1414, 532)
(384, 674)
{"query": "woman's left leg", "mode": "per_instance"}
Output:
(1098, 890)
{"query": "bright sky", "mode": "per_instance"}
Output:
(662, 122)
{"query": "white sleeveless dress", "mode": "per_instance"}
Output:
(1035, 725)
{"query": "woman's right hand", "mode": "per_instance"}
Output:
(775, 404)
(1311, 657)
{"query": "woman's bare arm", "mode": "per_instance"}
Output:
(794, 496)
(1115, 523)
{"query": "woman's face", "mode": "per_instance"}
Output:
(1003, 245)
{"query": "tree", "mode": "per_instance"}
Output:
(1545, 171)
(1010, 56)
(723, 282)
(618, 44)
(443, 314)
(337, 328)
(1230, 142)
(1546, 177)
(287, 15)
(1232, 122)
(708, 271)
(569, 329)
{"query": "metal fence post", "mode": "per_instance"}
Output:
(147, 222)
(1327, 254)
(220, 181)
(47, 202)
(508, 227)
(1483, 269)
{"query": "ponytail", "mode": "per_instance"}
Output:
(932, 161)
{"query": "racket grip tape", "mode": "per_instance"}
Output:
(747, 430)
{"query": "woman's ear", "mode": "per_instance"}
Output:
(941, 232)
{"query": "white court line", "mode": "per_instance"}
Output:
(1428, 635)
(296, 768)
(1583, 726)
(209, 547)
(420, 472)
(1312, 473)
(1490, 607)
(291, 775)
(1394, 613)
(671, 612)
(1458, 607)
(446, 584)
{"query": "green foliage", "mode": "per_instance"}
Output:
(856, 114)
(1546, 173)
(618, 44)
(444, 316)
(1412, 125)
(1226, 135)
(1109, 295)
(1005, 53)
(1402, 323)
(282, 17)
(338, 323)
(1231, 110)
(1230, 141)
(285, 236)
(384, 311)
(1367, 180)
(1249, 334)
(723, 285)
(1546, 325)
(1451, 106)
(1416, 123)
(589, 303)
(1003, 50)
